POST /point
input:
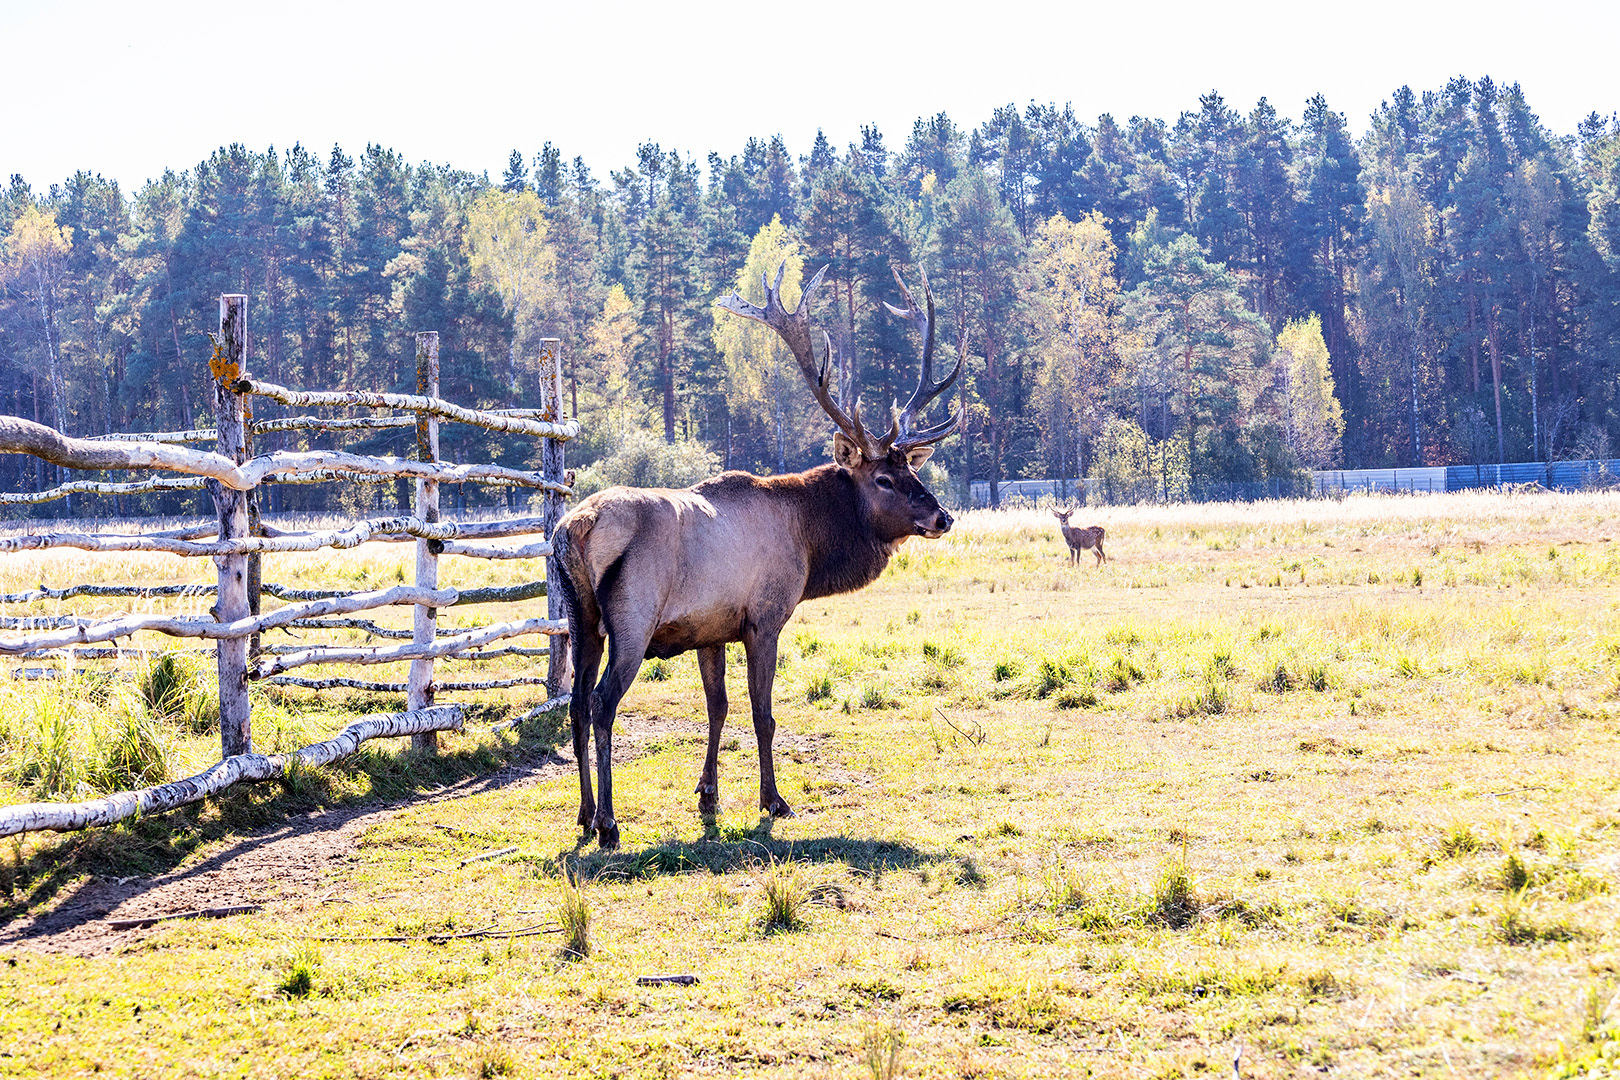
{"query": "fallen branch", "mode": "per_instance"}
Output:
(667, 980)
(497, 853)
(558, 702)
(248, 768)
(568, 429)
(200, 913)
(127, 625)
(488, 931)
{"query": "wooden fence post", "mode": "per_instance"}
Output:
(228, 364)
(419, 688)
(551, 504)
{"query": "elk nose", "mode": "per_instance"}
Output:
(943, 522)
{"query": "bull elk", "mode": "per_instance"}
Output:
(657, 572)
(1080, 539)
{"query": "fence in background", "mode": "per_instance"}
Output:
(232, 475)
(1555, 476)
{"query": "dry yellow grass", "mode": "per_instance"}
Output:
(1333, 781)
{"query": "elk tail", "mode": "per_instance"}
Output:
(560, 569)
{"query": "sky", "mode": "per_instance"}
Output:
(129, 89)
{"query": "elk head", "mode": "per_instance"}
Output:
(885, 469)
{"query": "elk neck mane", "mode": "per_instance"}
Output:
(844, 552)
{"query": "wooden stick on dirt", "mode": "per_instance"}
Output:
(667, 980)
(199, 913)
(497, 853)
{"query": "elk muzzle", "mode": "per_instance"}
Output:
(937, 528)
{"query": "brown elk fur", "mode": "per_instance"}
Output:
(657, 572)
(1081, 539)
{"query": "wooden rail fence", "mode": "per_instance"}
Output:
(231, 474)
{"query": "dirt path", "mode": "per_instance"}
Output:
(286, 862)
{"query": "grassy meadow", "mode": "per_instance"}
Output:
(1333, 785)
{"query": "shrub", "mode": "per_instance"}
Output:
(819, 688)
(642, 459)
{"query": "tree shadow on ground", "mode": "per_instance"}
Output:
(123, 861)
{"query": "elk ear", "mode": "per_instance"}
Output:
(846, 452)
(917, 455)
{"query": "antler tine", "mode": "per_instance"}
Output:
(900, 434)
(794, 329)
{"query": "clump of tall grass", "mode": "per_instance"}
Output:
(71, 740)
(299, 970)
(177, 685)
(574, 913)
(783, 896)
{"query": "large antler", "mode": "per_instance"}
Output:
(901, 435)
(794, 329)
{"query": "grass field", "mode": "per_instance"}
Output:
(1335, 783)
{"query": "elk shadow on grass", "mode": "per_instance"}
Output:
(735, 848)
(94, 869)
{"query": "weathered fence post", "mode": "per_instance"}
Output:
(227, 365)
(551, 503)
(419, 688)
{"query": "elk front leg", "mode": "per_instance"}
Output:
(712, 666)
(761, 649)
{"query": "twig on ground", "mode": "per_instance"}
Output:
(497, 853)
(669, 980)
(200, 913)
(1515, 791)
(488, 931)
(976, 736)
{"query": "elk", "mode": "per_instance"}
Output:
(657, 572)
(1080, 539)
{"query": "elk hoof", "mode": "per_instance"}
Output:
(587, 817)
(777, 807)
(607, 832)
(708, 798)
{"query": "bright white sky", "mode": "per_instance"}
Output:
(127, 89)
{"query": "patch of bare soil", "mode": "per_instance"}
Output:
(285, 863)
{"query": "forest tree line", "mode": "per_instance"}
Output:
(1168, 309)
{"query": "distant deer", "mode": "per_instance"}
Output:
(654, 573)
(1080, 539)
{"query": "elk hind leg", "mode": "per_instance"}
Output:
(586, 648)
(625, 653)
(712, 666)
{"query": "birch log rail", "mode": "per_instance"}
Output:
(65, 817)
(237, 538)
(174, 626)
(333, 654)
(422, 403)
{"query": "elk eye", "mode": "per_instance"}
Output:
(885, 483)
